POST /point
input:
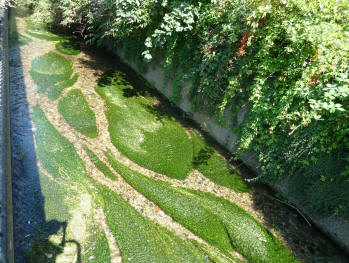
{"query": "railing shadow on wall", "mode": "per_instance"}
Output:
(31, 229)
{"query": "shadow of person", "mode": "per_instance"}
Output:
(45, 250)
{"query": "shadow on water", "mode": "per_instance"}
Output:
(31, 229)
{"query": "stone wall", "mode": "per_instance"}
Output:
(6, 218)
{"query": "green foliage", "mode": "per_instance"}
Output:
(284, 62)
(75, 109)
(52, 72)
(216, 220)
(64, 12)
(69, 47)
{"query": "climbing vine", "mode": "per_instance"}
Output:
(284, 62)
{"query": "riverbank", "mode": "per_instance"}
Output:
(65, 183)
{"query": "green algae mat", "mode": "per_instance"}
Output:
(221, 223)
(216, 220)
(42, 31)
(100, 164)
(157, 143)
(153, 139)
(75, 109)
(139, 239)
(69, 47)
(66, 198)
(53, 73)
(56, 153)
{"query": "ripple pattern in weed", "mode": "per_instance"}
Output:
(75, 109)
(216, 220)
(155, 142)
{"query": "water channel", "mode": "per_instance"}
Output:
(104, 170)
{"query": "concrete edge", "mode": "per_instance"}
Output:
(336, 228)
(6, 208)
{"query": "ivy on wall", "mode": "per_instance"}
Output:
(287, 61)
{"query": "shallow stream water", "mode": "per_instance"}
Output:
(106, 171)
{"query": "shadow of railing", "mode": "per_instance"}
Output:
(31, 229)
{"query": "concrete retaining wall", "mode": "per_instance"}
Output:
(336, 228)
(6, 213)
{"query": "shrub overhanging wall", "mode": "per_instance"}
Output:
(287, 61)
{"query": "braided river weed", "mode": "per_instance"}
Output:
(112, 168)
(100, 164)
(213, 166)
(69, 47)
(56, 153)
(68, 204)
(216, 220)
(75, 109)
(141, 240)
(154, 140)
(53, 73)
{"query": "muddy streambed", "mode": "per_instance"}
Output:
(105, 171)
